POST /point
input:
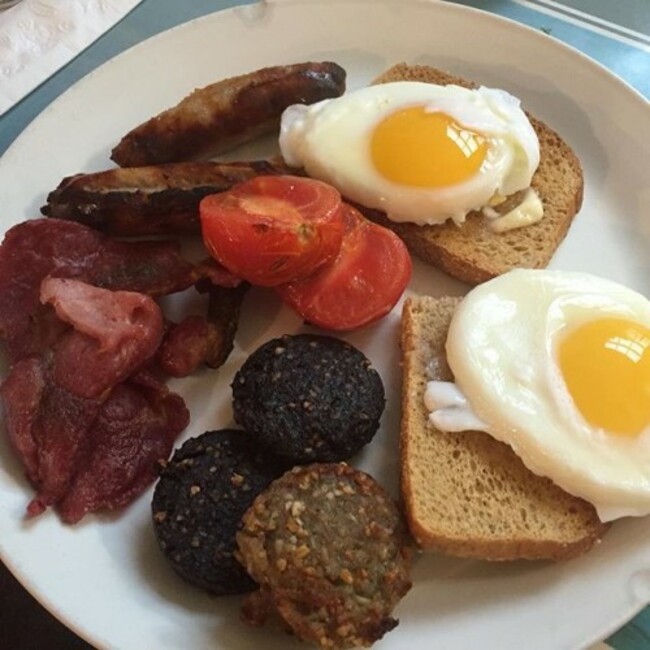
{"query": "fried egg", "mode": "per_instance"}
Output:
(420, 152)
(557, 365)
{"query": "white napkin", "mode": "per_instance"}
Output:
(37, 37)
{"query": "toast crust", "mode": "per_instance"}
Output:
(466, 494)
(473, 253)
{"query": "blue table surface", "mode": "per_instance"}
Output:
(617, 34)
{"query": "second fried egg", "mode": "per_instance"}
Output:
(557, 365)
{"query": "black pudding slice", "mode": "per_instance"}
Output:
(198, 503)
(309, 398)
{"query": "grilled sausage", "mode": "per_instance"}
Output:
(224, 310)
(228, 113)
(150, 200)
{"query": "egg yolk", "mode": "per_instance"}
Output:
(606, 367)
(424, 149)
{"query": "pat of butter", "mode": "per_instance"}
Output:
(530, 210)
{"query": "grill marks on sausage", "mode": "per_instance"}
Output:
(149, 200)
(225, 114)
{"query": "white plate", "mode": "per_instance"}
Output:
(105, 578)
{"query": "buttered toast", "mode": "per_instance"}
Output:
(466, 494)
(472, 252)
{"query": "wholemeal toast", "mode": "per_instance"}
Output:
(472, 252)
(466, 494)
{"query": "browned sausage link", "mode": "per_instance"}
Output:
(224, 309)
(198, 340)
(228, 113)
(151, 200)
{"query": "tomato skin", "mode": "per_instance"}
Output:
(273, 229)
(362, 284)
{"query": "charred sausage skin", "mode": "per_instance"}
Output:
(225, 114)
(150, 200)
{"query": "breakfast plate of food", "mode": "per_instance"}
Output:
(253, 339)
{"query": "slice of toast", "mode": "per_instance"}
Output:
(466, 494)
(472, 252)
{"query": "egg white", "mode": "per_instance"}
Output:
(331, 140)
(501, 348)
